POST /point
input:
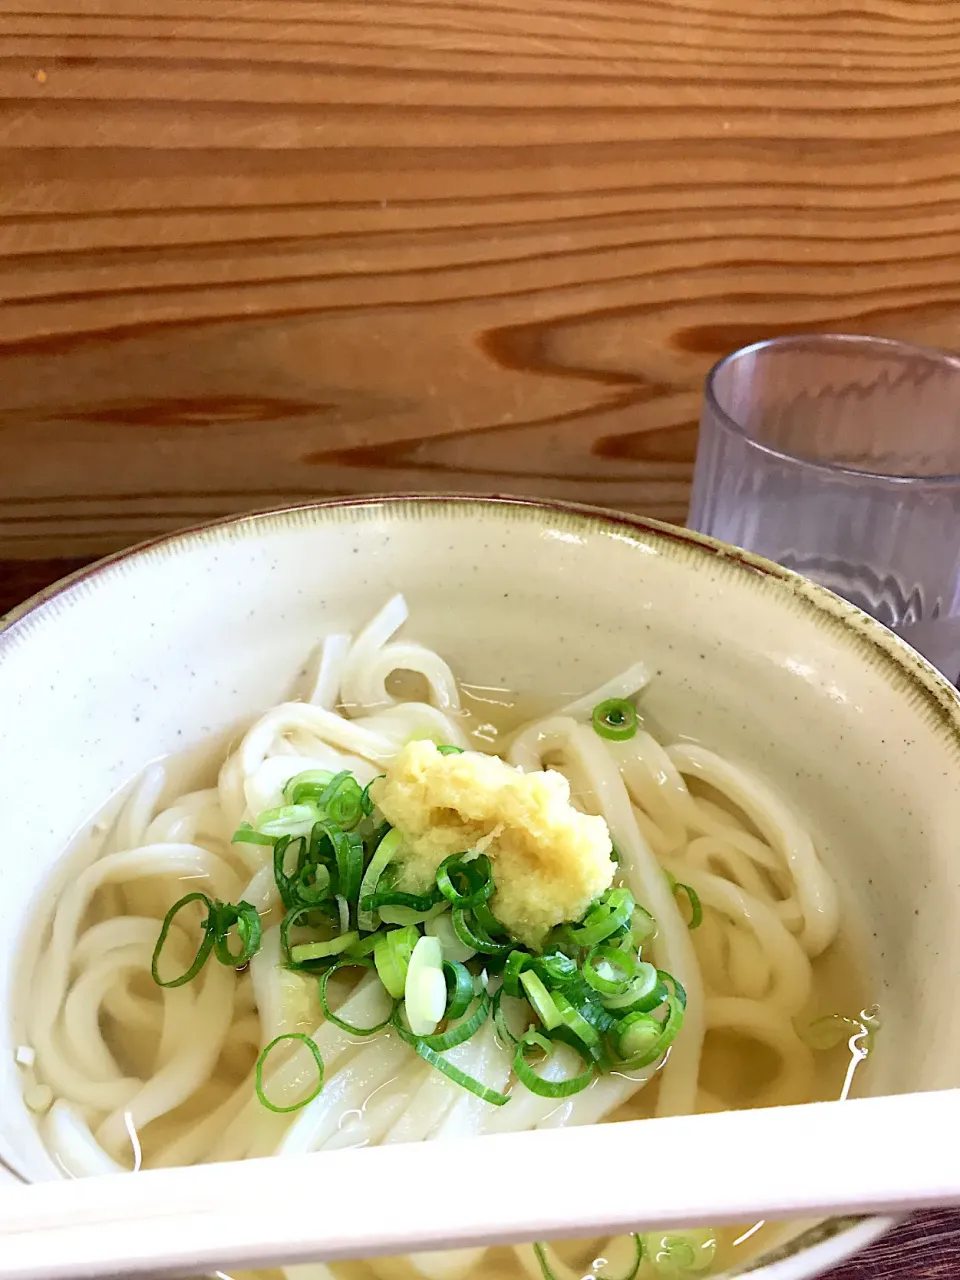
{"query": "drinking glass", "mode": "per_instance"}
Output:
(839, 456)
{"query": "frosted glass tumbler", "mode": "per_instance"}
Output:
(839, 456)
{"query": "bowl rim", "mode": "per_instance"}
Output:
(832, 1240)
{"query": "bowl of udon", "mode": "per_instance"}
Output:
(406, 819)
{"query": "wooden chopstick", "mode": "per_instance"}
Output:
(876, 1155)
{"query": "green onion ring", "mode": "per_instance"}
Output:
(287, 923)
(304, 952)
(349, 855)
(366, 803)
(575, 1021)
(615, 956)
(204, 949)
(471, 934)
(676, 1004)
(540, 999)
(613, 911)
(644, 992)
(637, 1261)
(397, 898)
(643, 926)
(292, 1035)
(696, 909)
(344, 802)
(386, 850)
(500, 1020)
(249, 931)
(634, 1022)
(309, 785)
(535, 1083)
(477, 875)
(555, 969)
(445, 1040)
(517, 961)
(459, 1077)
(459, 988)
(286, 885)
(391, 955)
(359, 962)
(540, 1250)
(615, 719)
(448, 749)
(245, 834)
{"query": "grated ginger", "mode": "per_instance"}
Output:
(549, 860)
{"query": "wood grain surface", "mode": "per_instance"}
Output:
(259, 250)
(262, 250)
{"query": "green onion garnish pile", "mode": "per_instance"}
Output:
(443, 958)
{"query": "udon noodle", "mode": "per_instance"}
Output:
(124, 1074)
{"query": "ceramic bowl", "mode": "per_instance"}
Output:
(163, 646)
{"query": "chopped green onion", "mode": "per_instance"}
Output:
(643, 993)
(674, 1254)
(385, 852)
(475, 875)
(643, 926)
(245, 834)
(406, 915)
(448, 749)
(574, 1021)
(440, 926)
(534, 1082)
(676, 1004)
(366, 946)
(312, 884)
(488, 922)
(613, 911)
(366, 803)
(204, 949)
(249, 932)
(615, 719)
(287, 884)
(396, 898)
(600, 966)
(392, 957)
(555, 969)
(292, 1035)
(540, 999)
(306, 951)
(453, 1036)
(459, 1077)
(472, 934)
(288, 820)
(637, 1033)
(425, 988)
(349, 963)
(288, 922)
(517, 961)
(459, 989)
(348, 852)
(504, 1031)
(547, 1273)
(696, 910)
(309, 785)
(342, 800)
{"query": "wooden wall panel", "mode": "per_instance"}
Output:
(260, 250)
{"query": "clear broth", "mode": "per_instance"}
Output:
(489, 716)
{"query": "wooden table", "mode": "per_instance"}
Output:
(254, 251)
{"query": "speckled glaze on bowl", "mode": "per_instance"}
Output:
(157, 648)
